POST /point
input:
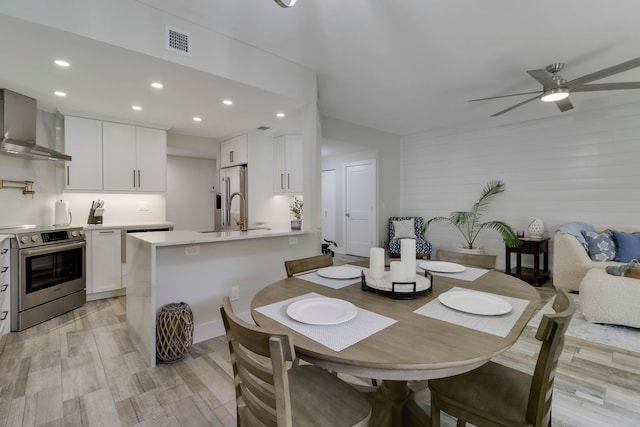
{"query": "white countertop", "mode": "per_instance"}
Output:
(186, 237)
(125, 225)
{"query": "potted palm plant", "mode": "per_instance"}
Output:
(469, 222)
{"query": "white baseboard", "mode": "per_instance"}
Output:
(106, 294)
(206, 331)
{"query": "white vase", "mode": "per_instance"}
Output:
(536, 228)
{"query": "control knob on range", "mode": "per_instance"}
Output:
(74, 233)
(35, 238)
(24, 239)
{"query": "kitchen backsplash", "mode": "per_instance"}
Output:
(121, 208)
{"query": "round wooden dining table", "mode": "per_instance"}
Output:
(416, 347)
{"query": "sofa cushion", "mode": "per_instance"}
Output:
(602, 247)
(575, 229)
(627, 246)
(404, 228)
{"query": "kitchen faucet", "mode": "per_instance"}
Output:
(242, 223)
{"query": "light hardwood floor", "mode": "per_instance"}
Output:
(82, 369)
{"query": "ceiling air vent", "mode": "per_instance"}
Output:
(178, 41)
(264, 128)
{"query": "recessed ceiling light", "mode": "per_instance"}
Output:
(280, 115)
(60, 93)
(61, 63)
(157, 85)
(136, 107)
(227, 102)
(197, 119)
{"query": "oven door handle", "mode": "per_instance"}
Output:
(52, 248)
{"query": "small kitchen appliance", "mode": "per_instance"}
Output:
(63, 215)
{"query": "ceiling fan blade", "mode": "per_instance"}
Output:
(543, 78)
(606, 86)
(505, 96)
(514, 106)
(564, 105)
(606, 72)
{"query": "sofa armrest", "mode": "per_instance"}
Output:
(571, 262)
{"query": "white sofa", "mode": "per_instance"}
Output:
(571, 261)
(610, 299)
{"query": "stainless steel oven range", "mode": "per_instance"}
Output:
(48, 275)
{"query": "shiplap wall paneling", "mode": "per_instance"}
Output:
(581, 166)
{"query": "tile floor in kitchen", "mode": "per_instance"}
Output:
(82, 368)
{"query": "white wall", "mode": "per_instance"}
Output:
(576, 166)
(192, 146)
(47, 177)
(191, 187)
(382, 146)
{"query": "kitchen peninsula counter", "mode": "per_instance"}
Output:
(186, 237)
(200, 269)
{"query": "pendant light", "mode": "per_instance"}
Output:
(286, 3)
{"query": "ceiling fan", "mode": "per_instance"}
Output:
(556, 89)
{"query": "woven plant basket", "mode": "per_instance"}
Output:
(174, 332)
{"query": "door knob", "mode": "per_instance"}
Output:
(348, 215)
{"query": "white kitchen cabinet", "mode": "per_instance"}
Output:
(134, 158)
(83, 142)
(151, 154)
(234, 151)
(287, 164)
(5, 289)
(105, 272)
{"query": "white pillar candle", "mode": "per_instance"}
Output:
(397, 271)
(376, 263)
(408, 258)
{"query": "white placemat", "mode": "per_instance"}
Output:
(469, 274)
(331, 283)
(336, 337)
(495, 325)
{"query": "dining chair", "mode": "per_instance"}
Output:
(301, 265)
(470, 260)
(495, 395)
(270, 393)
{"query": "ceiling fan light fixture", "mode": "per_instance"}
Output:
(556, 94)
(286, 3)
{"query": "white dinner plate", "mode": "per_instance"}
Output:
(322, 311)
(475, 303)
(442, 267)
(339, 272)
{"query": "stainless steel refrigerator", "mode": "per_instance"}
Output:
(233, 179)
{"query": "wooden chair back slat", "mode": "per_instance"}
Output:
(551, 332)
(301, 265)
(262, 391)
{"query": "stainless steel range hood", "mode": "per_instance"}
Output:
(18, 128)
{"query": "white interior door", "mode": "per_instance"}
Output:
(360, 204)
(329, 205)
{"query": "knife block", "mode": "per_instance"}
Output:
(95, 216)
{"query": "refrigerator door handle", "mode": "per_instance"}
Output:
(229, 206)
